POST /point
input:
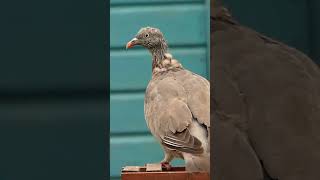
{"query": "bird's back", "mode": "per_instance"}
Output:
(189, 88)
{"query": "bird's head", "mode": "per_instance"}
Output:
(148, 37)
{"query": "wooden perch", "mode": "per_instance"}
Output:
(155, 171)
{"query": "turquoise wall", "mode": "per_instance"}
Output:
(186, 28)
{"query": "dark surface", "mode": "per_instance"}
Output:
(294, 22)
(315, 24)
(53, 90)
(266, 107)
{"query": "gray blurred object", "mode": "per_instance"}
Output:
(176, 105)
(266, 106)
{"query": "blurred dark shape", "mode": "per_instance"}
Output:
(53, 90)
(295, 23)
(266, 102)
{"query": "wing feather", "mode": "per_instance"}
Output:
(172, 103)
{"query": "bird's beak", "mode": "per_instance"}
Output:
(132, 43)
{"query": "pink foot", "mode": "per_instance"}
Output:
(166, 166)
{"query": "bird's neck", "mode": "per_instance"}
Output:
(158, 54)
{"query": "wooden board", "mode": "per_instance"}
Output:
(177, 173)
(135, 150)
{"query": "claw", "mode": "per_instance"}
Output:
(166, 166)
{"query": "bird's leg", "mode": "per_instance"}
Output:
(165, 163)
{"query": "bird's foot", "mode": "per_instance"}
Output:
(166, 165)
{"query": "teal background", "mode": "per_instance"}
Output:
(186, 28)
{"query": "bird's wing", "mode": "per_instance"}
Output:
(198, 92)
(168, 115)
(183, 141)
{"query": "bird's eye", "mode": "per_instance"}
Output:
(147, 35)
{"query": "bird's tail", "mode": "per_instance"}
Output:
(197, 162)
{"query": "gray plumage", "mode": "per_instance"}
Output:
(177, 105)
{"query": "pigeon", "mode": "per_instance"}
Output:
(176, 105)
(265, 105)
